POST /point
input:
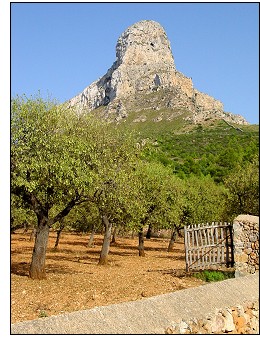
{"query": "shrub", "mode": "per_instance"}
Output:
(213, 276)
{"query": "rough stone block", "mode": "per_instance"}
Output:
(229, 322)
(241, 258)
(218, 324)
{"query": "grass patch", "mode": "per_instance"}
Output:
(214, 276)
(42, 313)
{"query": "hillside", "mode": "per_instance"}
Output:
(213, 148)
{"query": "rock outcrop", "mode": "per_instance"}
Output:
(144, 76)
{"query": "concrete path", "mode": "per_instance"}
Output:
(149, 315)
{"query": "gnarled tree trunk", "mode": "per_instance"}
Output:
(33, 234)
(103, 259)
(37, 268)
(149, 231)
(113, 240)
(141, 242)
(91, 238)
(172, 240)
(58, 235)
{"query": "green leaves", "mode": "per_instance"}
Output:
(160, 194)
(57, 156)
(204, 200)
(46, 151)
(243, 188)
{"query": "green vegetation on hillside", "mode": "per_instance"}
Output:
(213, 151)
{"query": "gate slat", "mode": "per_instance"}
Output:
(190, 255)
(198, 248)
(222, 241)
(218, 248)
(209, 252)
(186, 248)
(202, 248)
(213, 244)
(205, 246)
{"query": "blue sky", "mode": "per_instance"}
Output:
(61, 48)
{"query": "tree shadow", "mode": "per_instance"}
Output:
(176, 272)
(175, 250)
(57, 269)
(20, 269)
(76, 259)
(134, 247)
(81, 243)
(52, 251)
(124, 246)
(146, 248)
(125, 253)
(21, 250)
(178, 257)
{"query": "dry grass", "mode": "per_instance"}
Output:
(75, 281)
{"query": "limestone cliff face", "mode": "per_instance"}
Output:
(144, 76)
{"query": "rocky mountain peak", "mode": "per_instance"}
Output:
(144, 76)
(143, 42)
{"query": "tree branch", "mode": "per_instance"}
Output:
(76, 201)
(63, 213)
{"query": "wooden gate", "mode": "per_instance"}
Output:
(208, 246)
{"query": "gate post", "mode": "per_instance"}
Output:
(229, 246)
(231, 235)
(186, 248)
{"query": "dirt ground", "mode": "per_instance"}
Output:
(75, 281)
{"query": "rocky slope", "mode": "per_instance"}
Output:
(144, 77)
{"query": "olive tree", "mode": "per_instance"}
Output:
(117, 195)
(60, 160)
(53, 163)
(204, 200)
(160, 194)
(243, 190)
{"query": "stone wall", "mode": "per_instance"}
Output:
(239, 319)
(246, 244)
